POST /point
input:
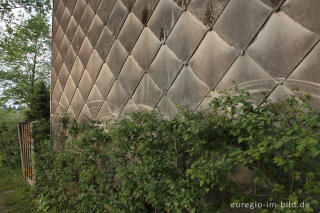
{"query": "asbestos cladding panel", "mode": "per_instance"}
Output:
(212, 59)
(95, 30)
(105, 9)
(165, 67)
(186, 36)
(116, 57)
(281, 45)
(85, 85)
(146, 48)
(94, 65)
(77, 70)
(306, 13)
(143, 9)
(104, 43)
(117, 17)
(147, 94)
(130, 75)
(248, 75)
(187, 90)
(105, 80)
(306, 77)
(207, 11)
(167, 107)
(130, 32)
(240, 21)
(117, 98)
(70, 89)
(164, 18)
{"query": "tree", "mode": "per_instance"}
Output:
(24, 59)
(39, 105)
(7, 7)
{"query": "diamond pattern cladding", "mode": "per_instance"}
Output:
(111, 57)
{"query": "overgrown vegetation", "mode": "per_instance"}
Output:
(197, 162)
(15, 194)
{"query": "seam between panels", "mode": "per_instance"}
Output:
(116, 77)
(298, 64)
(239, 54)
(146, 71)
(77, 54)
(115, 38)
(209, 29)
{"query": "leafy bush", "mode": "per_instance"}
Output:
(9, 147)
(197, 162)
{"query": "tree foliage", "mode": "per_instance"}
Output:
(24, 59)
(7, 7)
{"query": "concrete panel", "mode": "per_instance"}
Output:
(95, 30)
(58, 37)
(65, 19)
(164, 18)
(308, 14)
(281, 92)
(56, 92)
(78, 10)
(77, 103)
(105, 80)
(130, 32)
(143, 9)
(130, 75)
(147, 93)
(281, 45)
(167, 107)
(105, 9)
(94, 65)
(164, 67)
(85, 51)
(186, 36)
(85, 114)
(105, 42)
(240, 21)
(57, 64)
(94, 4)
(129, 108)
(187, 90)
(212, 59)
(59, 10)
(117, 98)
(128, 3)
(145, 48)
(117, 18)
(70, 57)
(207, 11)
(78, 39)
(77, 70)
(70, 89)
(63, 50)
(248, 75)
(63, 75)
(306, 77)
(116, 57)
(85, 85)
(86, 19)
(95, 100)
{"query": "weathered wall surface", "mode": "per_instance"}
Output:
(115, 56)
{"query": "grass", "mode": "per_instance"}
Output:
(15, 193)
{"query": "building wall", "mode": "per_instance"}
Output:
(110, 57)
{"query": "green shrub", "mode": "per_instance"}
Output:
(197, 162)
(9, 147)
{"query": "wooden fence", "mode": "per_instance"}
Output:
(26, 151)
